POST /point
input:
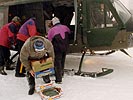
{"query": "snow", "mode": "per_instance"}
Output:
(115, 86)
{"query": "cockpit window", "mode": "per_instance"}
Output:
(123, 12)
(101, 16)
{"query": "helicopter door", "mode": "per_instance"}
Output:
(3, 16)
(103, 26)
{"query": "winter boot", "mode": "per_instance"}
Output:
(31, 90)
(31, 81)
(2, 72)
(46, 79)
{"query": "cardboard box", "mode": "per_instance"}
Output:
(40, 74)
(41, 65)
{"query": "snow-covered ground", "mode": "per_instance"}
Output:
(116, 86)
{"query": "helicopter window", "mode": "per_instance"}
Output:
(110, 19)
(97, 16)
(124, 14)
(101, 16)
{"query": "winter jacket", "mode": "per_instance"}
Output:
(58, 35)
(8, 34)
(27, 30)
(58, 29)
(28, 53)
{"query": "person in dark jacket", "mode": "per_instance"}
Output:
(8, 40)
(28, 29)
(35, 48)
(58, 35)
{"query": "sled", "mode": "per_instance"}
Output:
(48, 91)
(105, 71)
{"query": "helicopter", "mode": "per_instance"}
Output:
(98, 24)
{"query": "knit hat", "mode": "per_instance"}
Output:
(16, 19)
(38, 45)
(55, 20)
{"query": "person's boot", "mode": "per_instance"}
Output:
(31, 81)
(2, 72)
(31, 90)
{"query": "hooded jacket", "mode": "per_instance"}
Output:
(7, 34)
(28, 52)
(58, 29)
(27, 30)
